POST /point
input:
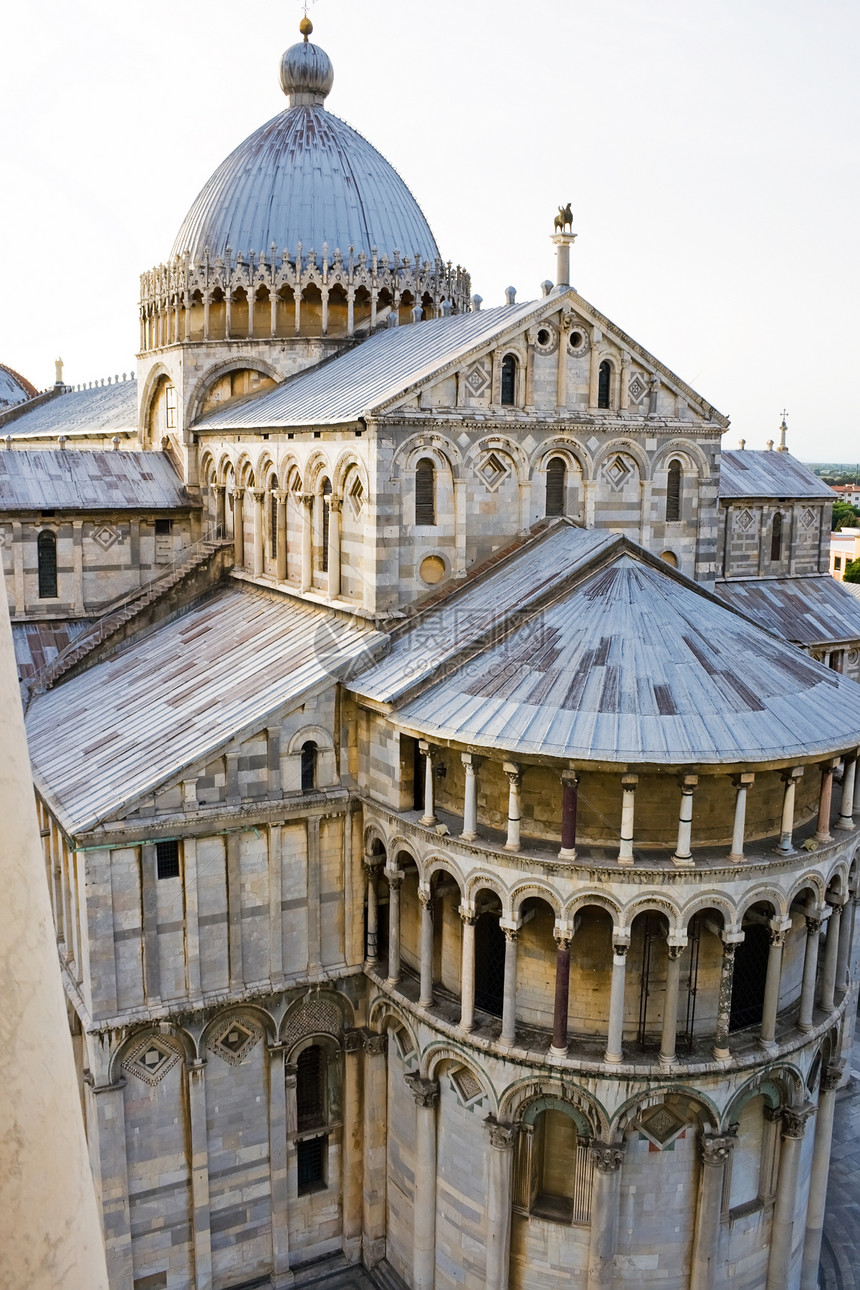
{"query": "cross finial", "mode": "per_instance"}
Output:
(783, 414)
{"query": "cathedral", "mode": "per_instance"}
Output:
(445, 758)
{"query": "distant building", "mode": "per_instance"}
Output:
(844, 547)
(849, 493)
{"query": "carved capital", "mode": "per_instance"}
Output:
(620, 948)
(468, 916)
(375, 1045)
(831, 1077)
(425, 898)
(512, 773)
(794, 1120)
(395, 878)
(258, 495)
(777, 938)
(502, 1136)
(307, 499)
(607, 1158)
(675, 951)
(813, 926)
(511, 934)
(715, 1149)
(425, 1091)
(237, 494)
(353, 1040)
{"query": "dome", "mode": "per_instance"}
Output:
(305, 177)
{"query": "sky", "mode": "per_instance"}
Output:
(709, 151)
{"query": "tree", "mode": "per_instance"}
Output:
(852, 571)
(844, 516)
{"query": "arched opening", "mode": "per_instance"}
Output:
(311, 311)
(509, 381)
(447, 933)
(489, 955)
(669, 557)
(316, 1067)
(750, 973)
(325, 511)
(554, 1170)
(309, 766)
(555, 479)
(673, 491)
(647, 957)
(46, 546)
(776, 537)
(425, 492)
(604, 384)
(310, 1088)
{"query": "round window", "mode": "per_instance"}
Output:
(576, 339)
(432, 569)
(544, 338)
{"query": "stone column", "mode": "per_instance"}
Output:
(512, 771)
(467, 969)
(742, 784)
(615, 1036)
(470, 799)
(502, 1138)
(307, 501)
(714, 1152)
(278, 1171)
(825, 794)
(238, 527)
(562, 992)
(831, 1077)
(374, 1156)
(425, 999)
(220, 492)
(371, 869)
(846, 925)
(273, 312)
(199, 1168)
(724, 1003)
(607, 1159)
(569, 802)
(509, 995)
(395, 881)
(335, 505)
(670, 1005)
(628, 804)
(683, 856)
(352, 1144)
(831, 954)
(785, 1204)
(772, 982)
(810, 967)
(429, 816)
(259, 496)
(426, 1094)
(789, 779)
(846, 803)
(281, 497)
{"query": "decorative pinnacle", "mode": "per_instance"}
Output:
(306, 26)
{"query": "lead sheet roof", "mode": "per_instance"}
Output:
(810, 610)
(768, 474)
(76, 479)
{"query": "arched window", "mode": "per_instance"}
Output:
(489, 964)
(751, 956)
(425, 492)
(509, 380)
(273, 517)
(604, 383)
(326, 494)
(309, 766)
(555, 473)
(311, 1153)
(776, 537)
(673, 491)
(47, 552)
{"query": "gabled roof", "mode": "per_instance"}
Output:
(79, 480)
(379, 373)
(812, 611)
(129, 724)
(629, 662)
(104, 409)
(768, 474)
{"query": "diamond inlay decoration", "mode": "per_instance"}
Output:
(744, 519)
(637, 388)
(106, 536)
(478, 380)
(807, 518)
(662, 1126)
(493, 470)
(467, 1087)
(151, 1059)
(234, 1041)
(618, 472)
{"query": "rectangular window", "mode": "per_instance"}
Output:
(170, 407)
(311, 1163)
(837, 562)
(163, 528)
(167, 859)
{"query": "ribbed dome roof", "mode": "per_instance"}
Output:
(305, 176)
